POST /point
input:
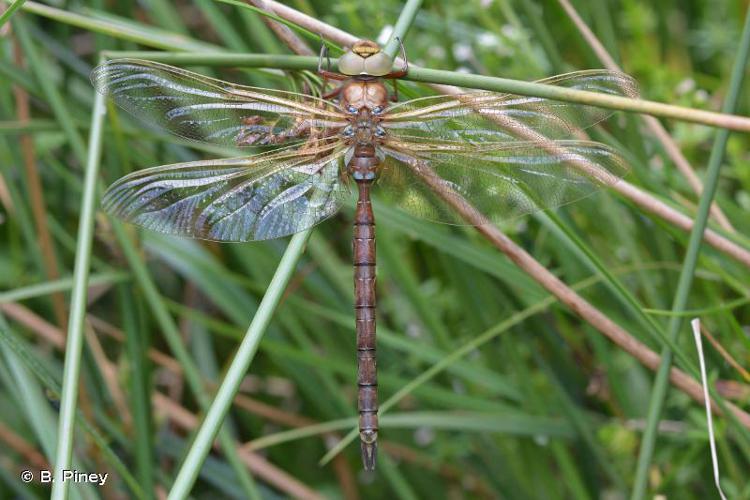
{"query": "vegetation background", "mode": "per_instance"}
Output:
(540, 406)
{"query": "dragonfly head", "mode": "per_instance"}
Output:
(365, 58)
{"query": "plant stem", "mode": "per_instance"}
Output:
(661, 134)
(441, 365)
(149, 36)
(9, 11)
(49, 89)
(241, 362)
(405, 20)
(61, 285)
(479, 82)
(688, 268)
(74, 343)
(246, 351)
(174, 341)
(286, 62)
(579, 96)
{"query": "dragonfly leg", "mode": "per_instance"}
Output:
(394, 96)
(252, 131)
(254, 134)
(327, 73)
(333, 93)
(331, 75)
(323, 55)
(405, 68)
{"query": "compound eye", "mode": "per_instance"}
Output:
(377, 110)
(378, 64)
(379, 132)
(351, 109)
(348, 132)
(351, 64)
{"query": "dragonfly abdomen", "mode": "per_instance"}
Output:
(364, 306)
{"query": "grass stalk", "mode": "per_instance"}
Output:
(49, 89)
(9, 11)
(74, 342)
(149, 36)
(404, 22)
(515, 86)
(670, 146)
(479, 82)
(684, 284)
(139, 376)
(172, 336)
(61, 285)
(443, 364)
(36, 197)
(249, 345)
(553, 92)
(241, 362)
(433, 280)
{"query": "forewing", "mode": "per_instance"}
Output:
(213, 111)
(235, 199)
(501, 181)
(481, 117)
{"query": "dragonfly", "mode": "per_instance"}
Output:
(504, 155)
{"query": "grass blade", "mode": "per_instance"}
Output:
(688, 270)
(74, 342)
(242, 359)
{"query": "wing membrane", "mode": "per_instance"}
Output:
(235, 199)
(502, 181)
(208, 110)
(481, 117)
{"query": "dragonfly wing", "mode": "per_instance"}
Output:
(235, 199)
(502, 181)
(212, 111)
(481, 117)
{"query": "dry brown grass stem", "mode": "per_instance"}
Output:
(530, 265)
(283, 32)
(182, 418)
(176, 413)
(565, 294)
(661, 134)
(725, 354)
(260, 467)
(342, 469)
(13, 441)
(636, 195)
(110, 376)
(36, 196)
(538, 272)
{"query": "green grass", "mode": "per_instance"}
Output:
(490, 387)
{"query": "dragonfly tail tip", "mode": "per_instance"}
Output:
(369, 455)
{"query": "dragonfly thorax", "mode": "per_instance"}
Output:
(364, 128)
(358, 94)
(364, 101)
